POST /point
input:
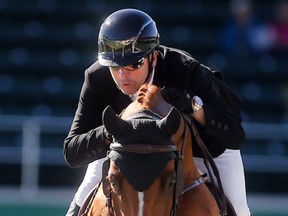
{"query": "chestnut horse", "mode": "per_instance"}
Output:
(150, 171)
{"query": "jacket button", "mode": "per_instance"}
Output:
(226, 127)
(94, 152)
(99, 150)
(212, 122)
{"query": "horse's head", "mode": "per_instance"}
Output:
(144, 154)
(150, 161)
(142, 144)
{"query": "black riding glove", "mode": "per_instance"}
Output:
(178, 98)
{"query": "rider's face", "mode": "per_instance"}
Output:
(131, 77)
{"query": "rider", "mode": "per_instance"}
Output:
(129, 55)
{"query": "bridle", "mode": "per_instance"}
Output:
(179, 187)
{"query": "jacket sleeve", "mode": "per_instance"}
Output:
(84, 142)
(84, 148)
(223, 127)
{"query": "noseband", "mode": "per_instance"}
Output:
(142, 148)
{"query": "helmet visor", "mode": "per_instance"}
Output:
(124, 52)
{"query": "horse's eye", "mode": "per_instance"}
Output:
(172, 182)
(114, 181)
(114, 187)
(169, 179)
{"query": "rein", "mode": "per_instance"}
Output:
(179, 188)
(142, 148)
(210, 164)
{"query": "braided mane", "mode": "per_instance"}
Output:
(143, 101)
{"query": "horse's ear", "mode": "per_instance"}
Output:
(113, 123)
(171, 121)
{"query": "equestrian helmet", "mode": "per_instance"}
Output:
(125, 37)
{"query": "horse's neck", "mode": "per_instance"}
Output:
(184, 137)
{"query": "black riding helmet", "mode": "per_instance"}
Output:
(125, 37)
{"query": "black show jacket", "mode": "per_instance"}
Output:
(175, 68)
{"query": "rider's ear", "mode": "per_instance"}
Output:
(155, 53)
(171, 122)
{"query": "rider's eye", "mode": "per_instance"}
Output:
(136, 65)
(130, 67)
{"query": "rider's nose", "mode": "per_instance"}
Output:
(123, 72)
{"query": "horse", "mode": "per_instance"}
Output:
(150, 168)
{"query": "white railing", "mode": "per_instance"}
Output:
(30, 154)
(277, 137)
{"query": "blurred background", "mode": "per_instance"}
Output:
(45, 46)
